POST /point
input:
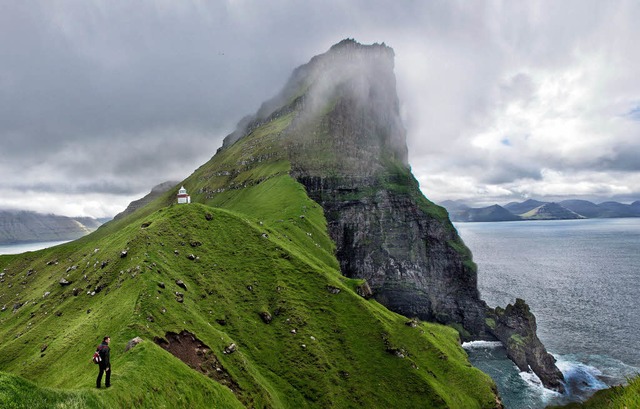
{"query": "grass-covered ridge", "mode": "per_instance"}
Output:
(351, 345)
(252, 244)
(259, 245)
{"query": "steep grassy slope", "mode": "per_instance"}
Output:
(262, 251)
(351, 346)
(249, 263)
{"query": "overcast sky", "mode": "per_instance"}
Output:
(101, 100)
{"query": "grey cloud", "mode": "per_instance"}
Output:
(115, 97)
(109, 187)
(508, 174)
(519, 87)
(626, 159)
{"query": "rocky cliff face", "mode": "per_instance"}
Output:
(346, 145)
(415, 263)
(348, 148)
(516, 328)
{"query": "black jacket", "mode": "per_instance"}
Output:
(105, 352)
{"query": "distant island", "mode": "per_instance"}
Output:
(537, 210)
(21, 226)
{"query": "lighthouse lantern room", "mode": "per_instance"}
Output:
(183, 196)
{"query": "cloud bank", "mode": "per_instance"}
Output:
(101, 100)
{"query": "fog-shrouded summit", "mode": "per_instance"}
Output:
(341, 132)
(353, 75)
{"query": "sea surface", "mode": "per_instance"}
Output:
(24, 247)
(581, 279)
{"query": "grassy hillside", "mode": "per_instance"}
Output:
(259, 272)
(345, 349)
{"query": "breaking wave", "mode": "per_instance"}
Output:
(584, 374)
(581, 379)
(481, 344)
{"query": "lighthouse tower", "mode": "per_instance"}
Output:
(183, 196)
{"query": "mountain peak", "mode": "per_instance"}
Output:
(350, 43)
(350, 83)
(551, 211)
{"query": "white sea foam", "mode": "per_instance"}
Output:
(580, 377)
(581, 381)
(481, 344)
(537, 388)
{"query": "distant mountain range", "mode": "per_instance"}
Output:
(19, 226)
(537, 210)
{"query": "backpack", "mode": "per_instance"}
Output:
(96, 357)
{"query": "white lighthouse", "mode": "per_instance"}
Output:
(183, 196)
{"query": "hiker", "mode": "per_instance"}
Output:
(105, 363)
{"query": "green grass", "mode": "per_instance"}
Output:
(260, 245)
(347, 363)
(18, 393)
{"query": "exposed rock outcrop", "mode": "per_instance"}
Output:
(132, 343)
(515, 326)
(346, 144)
(385, 230)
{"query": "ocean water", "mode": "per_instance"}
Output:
(581, 279)
(24, 247)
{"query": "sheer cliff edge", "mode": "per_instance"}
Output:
(346, 144)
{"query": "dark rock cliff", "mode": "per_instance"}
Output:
(516, 328)
(347, 146)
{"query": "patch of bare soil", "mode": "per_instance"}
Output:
(193, 352)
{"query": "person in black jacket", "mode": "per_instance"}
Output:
(105, 363)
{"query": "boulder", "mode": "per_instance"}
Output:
(64, 282)
(132, 343)
(266, 317)
(333, 290)
(364, 290)
(230, 349)
(181, 284)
